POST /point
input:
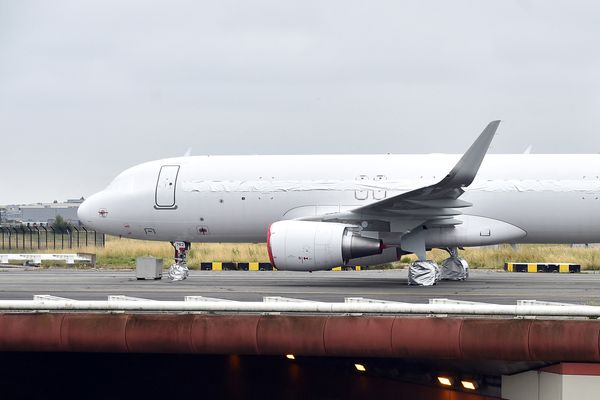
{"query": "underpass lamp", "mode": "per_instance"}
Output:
(469, 385)
(290, 356)
(360, 367)
(445, 381)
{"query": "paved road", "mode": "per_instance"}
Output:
(484, 286)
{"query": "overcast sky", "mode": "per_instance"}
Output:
(89, 88)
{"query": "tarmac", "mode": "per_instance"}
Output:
(497, 287)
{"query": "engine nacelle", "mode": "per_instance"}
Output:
(310, 246)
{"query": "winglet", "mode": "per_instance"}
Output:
(465, 170)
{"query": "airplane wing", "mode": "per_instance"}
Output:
(438, 200)
(429, 206)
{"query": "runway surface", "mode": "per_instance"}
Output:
(483, 285)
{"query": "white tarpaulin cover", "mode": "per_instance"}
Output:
(455, 269)
(423, 273)
(178, 272)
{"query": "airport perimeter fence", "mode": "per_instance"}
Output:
(44, 238)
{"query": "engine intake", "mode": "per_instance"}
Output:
(310, 246)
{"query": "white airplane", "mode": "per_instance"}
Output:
(320, 211)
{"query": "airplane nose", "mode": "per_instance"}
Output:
(86, 212)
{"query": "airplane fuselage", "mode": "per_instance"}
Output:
(552, 198)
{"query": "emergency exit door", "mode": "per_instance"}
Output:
(165, 186)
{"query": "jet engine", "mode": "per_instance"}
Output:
(310, 246)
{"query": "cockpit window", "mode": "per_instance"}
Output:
(123, 183)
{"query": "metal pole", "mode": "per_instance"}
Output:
(304, 307)
(16, 238)
(86, 235)
(77, 230)
(53, 237)
(30, 236)
(38, 236)
(45, 235)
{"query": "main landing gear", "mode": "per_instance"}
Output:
(179, 270)
(427, 273)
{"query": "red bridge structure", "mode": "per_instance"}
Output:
(288, 352)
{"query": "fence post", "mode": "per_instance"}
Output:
(16, 238)
(77, 231)
(46, 235)
(86, 235)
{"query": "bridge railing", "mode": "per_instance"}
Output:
(277, 304)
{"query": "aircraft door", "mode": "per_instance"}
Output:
(379, 194)
(360, 194)
(165, 187)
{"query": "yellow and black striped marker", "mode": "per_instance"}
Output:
(252, 266)
(357, 268)
(232, 266)
(542, 267)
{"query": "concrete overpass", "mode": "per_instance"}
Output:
(528, 350)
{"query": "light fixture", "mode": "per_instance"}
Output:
(469, 385)
(360, 367)
(290, 356)
(443, 380)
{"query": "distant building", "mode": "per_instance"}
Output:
(43, 213)
(12, 213)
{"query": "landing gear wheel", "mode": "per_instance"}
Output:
(454, 268)
(179, 270)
